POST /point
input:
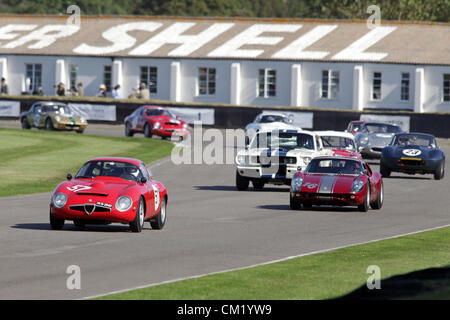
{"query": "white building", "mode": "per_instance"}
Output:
(312, 63)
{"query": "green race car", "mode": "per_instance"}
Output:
(52, 116)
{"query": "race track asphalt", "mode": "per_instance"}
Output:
(210, 227)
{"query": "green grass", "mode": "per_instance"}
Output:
(33, 161)
(320, 276)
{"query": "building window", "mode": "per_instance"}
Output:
(330, 84)
(73, 75)
(404, 94)
(446, 87)
(376, 86)
(149, 76)
(33, 76)
(107, 77)
(267, 83)
(206, 81)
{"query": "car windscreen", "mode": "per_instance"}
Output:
(414, 139)
(158, 112)
(382, 128)
(335, 166)
(285, 140)
(118, 169)
(356, 126)
(59, 109)
(273, 118)
(336, 142)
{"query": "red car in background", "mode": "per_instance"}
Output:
(107, 190)
(156, 120)
(337, 181)
(355, 126)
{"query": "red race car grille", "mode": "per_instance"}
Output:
(89, 208)
(326, 196)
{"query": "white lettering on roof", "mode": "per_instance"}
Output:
(356, 50)
(173, 35)
(251, 36)
(295, 49)
(44, 36)
(229, 40)
(119, 37)
(6, 32)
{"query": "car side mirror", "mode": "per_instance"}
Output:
(143, 180)
(69, 177)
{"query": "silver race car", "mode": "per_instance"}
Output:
(374, 136)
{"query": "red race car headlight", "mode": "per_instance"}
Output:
(59, 200)
(357, 186)
(156, 126)
(296, 183)
(123, 203)
(186, 127)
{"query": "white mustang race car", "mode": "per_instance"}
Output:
(274, 156)
(269, 120)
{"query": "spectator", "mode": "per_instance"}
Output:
(38, 92)
(3, 87)
(60, 89)
(101, 91)
(117, 92)
(143, 93)
(80, 89)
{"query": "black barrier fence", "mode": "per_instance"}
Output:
(233, 117)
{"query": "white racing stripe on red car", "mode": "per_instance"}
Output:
(327, 184)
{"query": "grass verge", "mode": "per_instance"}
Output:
(325, 275)
(33, 161)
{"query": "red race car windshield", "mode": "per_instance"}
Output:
(158, 112)
(335, 166)
(118, 169)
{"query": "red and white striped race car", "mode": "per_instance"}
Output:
(337, 181)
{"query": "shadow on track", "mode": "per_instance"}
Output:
(233, 188)
(71, 227)
(409, 177)
(312, 209)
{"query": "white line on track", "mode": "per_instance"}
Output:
(264, 263)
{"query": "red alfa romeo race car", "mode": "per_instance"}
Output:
(155, 120)
(107, 190)
(337, 181)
